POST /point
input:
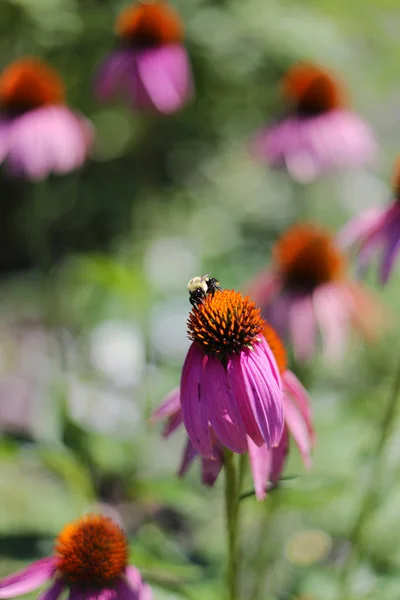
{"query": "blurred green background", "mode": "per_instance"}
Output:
(93, 302)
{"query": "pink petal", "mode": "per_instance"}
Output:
(332, 311)
(194, 409)
(189, 454)
(146, 593)
(134, 577)
(170, 409)
(165, 74)
(391, 252)
(211, 468)
(116, 75)
(299, 430)
(125, 591)
(302, 327)
(222, 409)
(262, 393)
(261, 467)
(48, 140)
(293, 387)
(279, 456)
(54, 591)
(27, 579)
(239, 389)
(359, 227)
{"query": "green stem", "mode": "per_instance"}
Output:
(367, 502)
(232, 513)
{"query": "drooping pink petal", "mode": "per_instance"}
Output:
(125, 591)
(302, 326)
(165, 73)
(54, 591)
(356, 229)
(114, 77)
(170, 409)
(211, 468)
(263, 393)
(261, 467)
(27, 579)
(4, 136)
(239, 389)
(48, 140)
(279, 456)
(146, 593)
(298, 428)
(293, 387)
(194, 409)
(222, 409)
(332, 310)
(391, 251)
(189, 454)
(134, 577)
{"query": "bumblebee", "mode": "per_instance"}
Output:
(200, 287)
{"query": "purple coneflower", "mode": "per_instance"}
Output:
(306, 289)
(39, 134)
(376, 230)
(320, 133)
(230, 380)
(266, 464)
(90, 561)
(151, 68)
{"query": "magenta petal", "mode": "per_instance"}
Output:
(265, 393)
(28, 579)
(146, 593)
(165, 74)
(391, 252)
(293, 387)
(115, 75)
(279, 456)
(211, 468)
(299, 430)
(261, 467)
(238, 386)
(48, 140)
(332, 306)
(302, 327)
(189, 454)
(134, 577)
(125, 591)
(359, 227)
(170, 409)
(54, 591)
(194, 408)
(222, 410)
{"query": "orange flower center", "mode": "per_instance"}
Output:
(92, 551)
(277, 347)
(29, 83)
(225, 323)
(150, 24)
(306, 257)
(312, 90)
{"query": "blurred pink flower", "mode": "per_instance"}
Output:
(306, 289)
(230, 380)
(320, 133)
(90, 561)
(39, 134)
(266, 464)
(151, 69)
(376, 230)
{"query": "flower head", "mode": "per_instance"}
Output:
(39, 134)
(266, 464)
(320, 133)
(151, 69)
(377, 230)
(149, 24)
(90, 560)
(307, 288)
(230, 380)
(312, 90)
